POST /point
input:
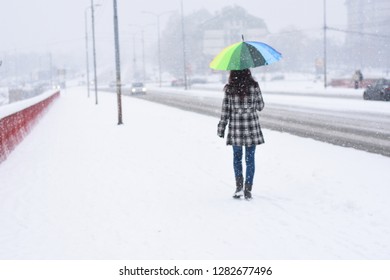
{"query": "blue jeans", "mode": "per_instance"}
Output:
(249, 160)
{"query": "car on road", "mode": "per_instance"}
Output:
(378, 91)
(177, 83)
(138, 88)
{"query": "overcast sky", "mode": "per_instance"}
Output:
(47, 25)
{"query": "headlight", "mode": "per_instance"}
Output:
(143, 89)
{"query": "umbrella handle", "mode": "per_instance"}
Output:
(242, 36)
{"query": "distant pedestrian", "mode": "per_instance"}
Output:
(358, 78)
(240, 104)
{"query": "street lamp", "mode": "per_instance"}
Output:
(142, 28)
(325, 27)
(94, 50)
(143, 55)
(86, 45)
(86, 42)
(184, 47)
(118, 66)
(134, 61)
(158, 39)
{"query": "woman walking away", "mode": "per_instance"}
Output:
(240, 104)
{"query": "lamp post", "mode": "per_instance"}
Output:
(325, 27)
(134, 59)
(142, 30)
(94, 50)
(118, 66)
(86, 45)
(184, 48)
(143, 55)
(158, 40)
(51, 69)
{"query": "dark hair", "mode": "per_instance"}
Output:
(240, 82)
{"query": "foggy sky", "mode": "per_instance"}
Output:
(58, 25)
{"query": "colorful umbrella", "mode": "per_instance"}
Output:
(245, 54)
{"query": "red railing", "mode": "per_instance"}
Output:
(349, 83)
(14, 127)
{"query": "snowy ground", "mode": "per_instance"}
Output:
(160, 186)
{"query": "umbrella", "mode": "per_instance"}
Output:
(245, 54)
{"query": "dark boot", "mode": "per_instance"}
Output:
(239, 186)
(247, 192)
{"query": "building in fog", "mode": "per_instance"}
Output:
(368, 33)
(228, 26)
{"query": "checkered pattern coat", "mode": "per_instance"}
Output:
(240, 114)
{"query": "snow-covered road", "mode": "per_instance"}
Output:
(160, 186)
(339, 120)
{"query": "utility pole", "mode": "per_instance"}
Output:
(143, 55)
(118, 66)
(142, 29)
(94, 50)
(159, 50)
(184, 47)
(325, 58)
(135, 73)
(158, 40)
(86, 46)
(51, 69)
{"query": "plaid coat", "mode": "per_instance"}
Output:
(241, 115)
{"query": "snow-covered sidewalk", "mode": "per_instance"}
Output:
(160, 186)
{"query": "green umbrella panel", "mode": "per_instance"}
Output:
(243, 55)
